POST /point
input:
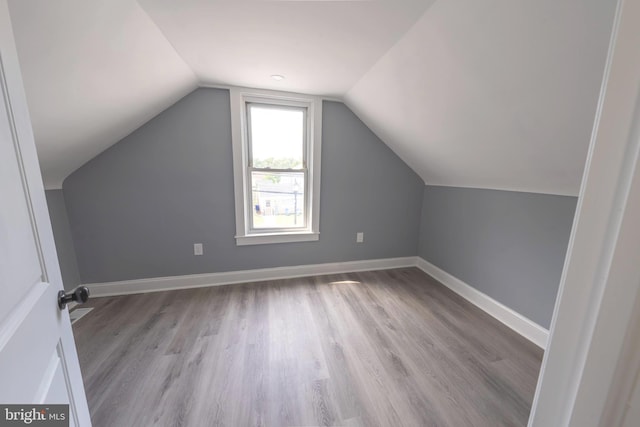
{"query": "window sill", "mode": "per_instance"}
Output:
(262, 239)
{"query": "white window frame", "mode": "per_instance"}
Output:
(241, 170)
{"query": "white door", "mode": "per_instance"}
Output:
(38, 360)
(594, 316)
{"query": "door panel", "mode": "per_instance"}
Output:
(25, 355)
(38, 360)
(19, 258)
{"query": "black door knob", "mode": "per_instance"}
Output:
(79, 295)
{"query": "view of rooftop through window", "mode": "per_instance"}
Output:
(278, 166)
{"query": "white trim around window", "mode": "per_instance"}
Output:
(245, 235)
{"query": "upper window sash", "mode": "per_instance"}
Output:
(305, 122)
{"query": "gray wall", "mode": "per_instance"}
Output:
(137, 208)
(63, 239)
(509, 245)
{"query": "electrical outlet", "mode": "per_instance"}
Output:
(359, 237)
(197, 249)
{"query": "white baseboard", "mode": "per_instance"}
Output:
(156, 284)
(525, 327)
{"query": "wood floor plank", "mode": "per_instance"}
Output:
(381, 348)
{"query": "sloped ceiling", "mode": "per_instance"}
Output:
(93, 72)
(494, 94)
(322, 47)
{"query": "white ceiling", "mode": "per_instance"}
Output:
(494, 94)
(322, 47)
(96, 70)
(93, 71)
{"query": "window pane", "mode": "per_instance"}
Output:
(277, 136)
(278, 199)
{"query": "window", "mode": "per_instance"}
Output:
(276, 155)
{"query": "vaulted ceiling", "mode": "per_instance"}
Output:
(492, 94)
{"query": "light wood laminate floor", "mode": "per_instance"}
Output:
(384, 348)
